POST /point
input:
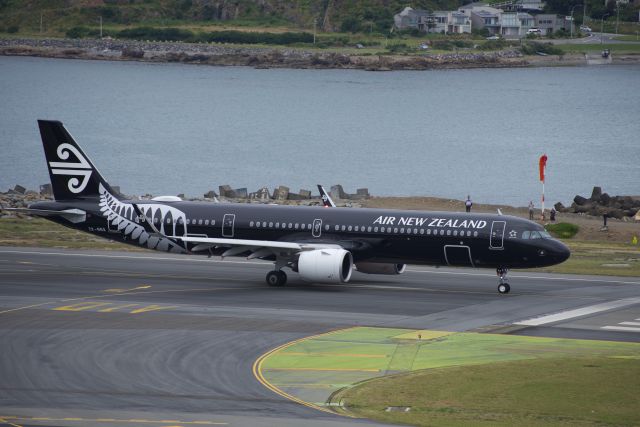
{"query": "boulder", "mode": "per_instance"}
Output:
(261, 194)
(225, 191)
(363, 192)
(559, 207)
(596, 193)
(580, 201)
(19, 189)
(45, 190)
(210, 194)
(605, 199)
(337, 192)
(241, 193)
(586, 208)
(615, 213)
(282, 193)
(305, 194)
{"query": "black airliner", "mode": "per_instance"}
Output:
(322, 245)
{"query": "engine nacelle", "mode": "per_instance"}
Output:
(379, 268)
(326, 265)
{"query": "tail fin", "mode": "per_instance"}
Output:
(73, 176)
(326, 199)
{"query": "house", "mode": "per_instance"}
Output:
(486, 17)
(458, 23)
(550, 23)
(411, 18)
(516, 24)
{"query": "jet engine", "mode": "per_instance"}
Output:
(379, 268)
(326, 265)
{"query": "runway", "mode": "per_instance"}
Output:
(116, 338)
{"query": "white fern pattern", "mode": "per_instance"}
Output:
(171, 221)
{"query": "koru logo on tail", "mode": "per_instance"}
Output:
(81, 168)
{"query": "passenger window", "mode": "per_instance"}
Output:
(401, 230)
(271, 225)
(303, 226)
(349, 228)
(251, 224)
(468, 233)
(343, 228)
(422, 231)
(455, 232)
(369, 229)
(290, 226)
(213, 221)
(277, 225)
(264, 224)
(525, 234)
(428, 231)
(206, 222)
(296, 226)
(357, 228)
(188, 221)
(382, 229)
(375, 229)
(448, 232)
(395, 230)
(442, 232)
(336, 228)
(326, 228)
(475, 234)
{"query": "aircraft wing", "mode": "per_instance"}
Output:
(258, 248)
(72, 215)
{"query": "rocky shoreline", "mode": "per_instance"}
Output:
(263, 57)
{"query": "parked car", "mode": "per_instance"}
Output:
(585, 29)
(494, 37)
(534, 31)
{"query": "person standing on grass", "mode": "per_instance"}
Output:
(468, 204)
(531, 210)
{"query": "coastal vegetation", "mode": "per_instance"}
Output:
(563, 230)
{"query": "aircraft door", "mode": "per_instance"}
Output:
(497, 235)
(317, 228)
(228, 222)
(458, 255)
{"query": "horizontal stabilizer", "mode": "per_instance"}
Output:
(72, 215)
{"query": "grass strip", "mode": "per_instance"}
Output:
(572, 391)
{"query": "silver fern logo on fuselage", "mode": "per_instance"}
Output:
(167, 220)
(81, 168)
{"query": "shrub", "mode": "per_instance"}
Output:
(531, 48)
(13, 29)
(563, 230)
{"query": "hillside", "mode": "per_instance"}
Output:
(57, 16)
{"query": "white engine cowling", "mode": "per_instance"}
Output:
(326, 265)
(379, 268)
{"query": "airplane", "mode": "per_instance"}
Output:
(327, 202)
(321, 245)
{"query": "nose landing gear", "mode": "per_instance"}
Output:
(503, 286)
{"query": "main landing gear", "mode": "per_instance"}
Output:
(276, 278)
(503, 286)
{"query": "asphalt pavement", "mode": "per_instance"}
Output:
(116, 338)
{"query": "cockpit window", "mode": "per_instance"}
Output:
(529, 234)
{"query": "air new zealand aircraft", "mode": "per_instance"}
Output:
(322, 245)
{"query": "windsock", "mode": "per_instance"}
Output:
(543, 164)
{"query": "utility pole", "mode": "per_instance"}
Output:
(584, 14)
(100, 26)
(41, 18)
(602, 25)
(315, 23)
(617, 15)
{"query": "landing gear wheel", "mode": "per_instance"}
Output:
(504, 288)
(276, 278)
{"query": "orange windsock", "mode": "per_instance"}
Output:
(543, 164)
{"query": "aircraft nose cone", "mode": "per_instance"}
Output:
(561, 252)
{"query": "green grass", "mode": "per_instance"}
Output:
(574, 391)
(562, 230)
(454, 378)
(628, 38)
(39, 232)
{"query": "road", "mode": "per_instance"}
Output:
(116, 338)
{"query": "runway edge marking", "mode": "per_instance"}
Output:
(257, 373)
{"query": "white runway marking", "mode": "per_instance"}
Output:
(570, 314)
(621, 328)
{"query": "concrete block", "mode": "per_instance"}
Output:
(283, 193)
(363, 192)
(305, 194)
(225, 191)
(210, 194)
(241, 193)
(19, 189)
(337, 192)
(45, 190)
